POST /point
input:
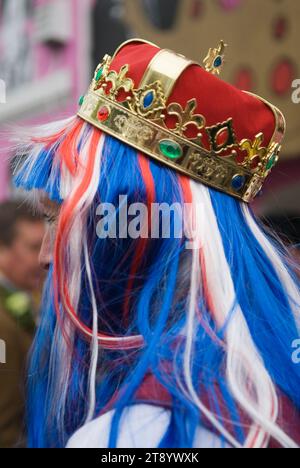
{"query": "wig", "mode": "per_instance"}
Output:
(214, 323)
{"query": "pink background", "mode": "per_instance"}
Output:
(47, 59)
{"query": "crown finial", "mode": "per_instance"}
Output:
(214, 60)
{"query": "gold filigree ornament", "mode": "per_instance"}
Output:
(140, 116)
(259, 158)
(187, 118)
(149, 101)
(214, 61)
(256, 153)
(118, 81)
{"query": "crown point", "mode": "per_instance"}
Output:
(214, 60)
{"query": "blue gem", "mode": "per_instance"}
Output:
(218, 62)
(238, 182)
(148, 100)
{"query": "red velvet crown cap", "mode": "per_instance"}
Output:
(217, 100)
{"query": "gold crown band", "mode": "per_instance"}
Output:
(147, 137)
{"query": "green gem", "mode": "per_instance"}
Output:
(170, 149)
(271, 162)
(81, 99)
(99, 74)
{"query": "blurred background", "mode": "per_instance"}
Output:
(48, 52)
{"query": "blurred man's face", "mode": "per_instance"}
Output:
(20, 261)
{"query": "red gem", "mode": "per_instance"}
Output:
(103, 114)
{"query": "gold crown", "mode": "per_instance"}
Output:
(139, 119)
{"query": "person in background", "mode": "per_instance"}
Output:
(21, 234)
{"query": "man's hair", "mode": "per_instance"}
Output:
(11, 213)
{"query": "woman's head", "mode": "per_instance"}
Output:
(216, 316)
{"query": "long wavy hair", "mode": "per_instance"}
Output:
(217, 320)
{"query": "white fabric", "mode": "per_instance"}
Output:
(141, 426)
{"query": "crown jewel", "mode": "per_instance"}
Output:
(140, 116)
